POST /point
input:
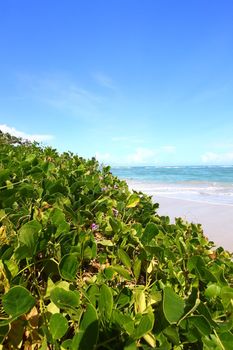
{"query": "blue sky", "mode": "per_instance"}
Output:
(128, 81)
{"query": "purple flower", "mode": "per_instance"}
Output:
(103, 189)
(94, 227)
(115, 187)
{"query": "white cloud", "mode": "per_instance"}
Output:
(31, 137)
(168, 149)
(222, 145)
(103, 80)
(62, 93)
(139, 156)
(217, 158)
(142, 156)
(103, 157)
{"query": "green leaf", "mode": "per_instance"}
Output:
(106, 243)
(227, 296)
(200, 323)
(87, 336)
(227, 340)
(124, 297)
(172, 334)
(58, 219)
(140, 299)
(131, 346)
(105, 302)
(28, 235)
(57, 216)
(114, 224)
(3, 332)
(93, 292)
(145, 325)
(52, 308)
(58, 325)
(133, 201)
(109, 273)
(137, 268)
(123, 272)
(212, 291)
(173, 305)
(204, 311)
(26, 190)
(89, 317)
(57, 187)
(17, 301)
(62, 228)
(123, 320)
(44, 344)
(12, 267)
(154, 263)
(22, 252)
(64, 298)
(197, 264)
(87, 253)
(66, 344)
(124, 257)
(4, 175)
(149, 233)
(68, 267)
(31, 158)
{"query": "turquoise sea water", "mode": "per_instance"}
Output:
(213, 184)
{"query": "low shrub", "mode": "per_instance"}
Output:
(87, 264)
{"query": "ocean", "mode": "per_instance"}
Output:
(212, 184)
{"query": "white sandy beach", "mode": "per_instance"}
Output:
(216, 219)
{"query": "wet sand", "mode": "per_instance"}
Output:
(216, 219)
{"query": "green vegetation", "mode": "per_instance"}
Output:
(87, 264)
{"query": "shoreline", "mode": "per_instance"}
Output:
(196, 192)
(215, 219)
(201, 202)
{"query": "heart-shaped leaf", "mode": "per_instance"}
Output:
(133, 201)
(58, 325)
(17, 301)
(64, 298)
(28, 235)
(173, 305)
(105, 302)
(68, 267)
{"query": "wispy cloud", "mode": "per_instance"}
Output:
(139, 156)
(168, 149)
(62, 93)
(103, 157)
(103, 80)
(225, 145)
(217, 158)
(31, 137)
(142, 155)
